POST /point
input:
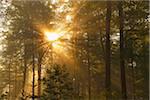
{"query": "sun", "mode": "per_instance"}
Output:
(52, 36)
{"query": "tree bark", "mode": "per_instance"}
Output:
(122, 66)
(33, 71)
(107, 53)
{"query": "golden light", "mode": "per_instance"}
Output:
(54, 1)
(52, 36)
(66, 0)
(69, 18)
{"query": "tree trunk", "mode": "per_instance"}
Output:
(9, 80)
(89, 68)
(133, 80)
(41, 54)
(33, 72)
(24, 71)
(107, 53)
(122, 66)
(39, 78)
(15, 85)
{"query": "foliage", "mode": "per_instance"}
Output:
(58, 84)
(23, 18)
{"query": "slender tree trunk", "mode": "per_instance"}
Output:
(132, 71)
(24, 71)
(24, 77)
(107, 53)
(33, 71)
(133, 80)
(122, 66)
(9, 80)
(15, 90)
(41, 54)
(89, 69)
(39, 78)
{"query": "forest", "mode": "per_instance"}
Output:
(74, 49)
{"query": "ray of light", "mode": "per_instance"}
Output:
(52, 36)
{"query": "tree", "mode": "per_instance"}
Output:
(25, 19)
(122, 63)
(57, 84)
(107, 54)
(136, 46)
